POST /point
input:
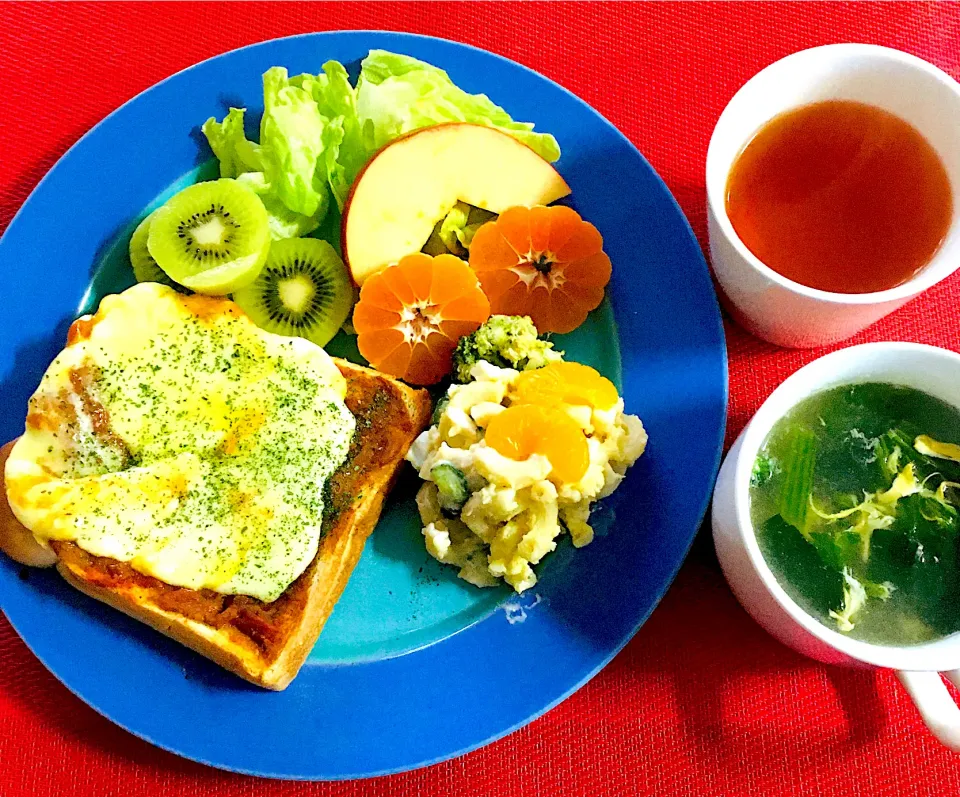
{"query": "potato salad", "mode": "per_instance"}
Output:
(516, 458)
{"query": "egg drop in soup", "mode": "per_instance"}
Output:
(841, 196)
(855, 498)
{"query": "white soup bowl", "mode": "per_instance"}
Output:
(926, 368)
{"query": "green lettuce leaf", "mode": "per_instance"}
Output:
(241, 159)
(284, 223)
(292, 144)
(452, 226)
(229, 143)
(397, 94)
(349, 143)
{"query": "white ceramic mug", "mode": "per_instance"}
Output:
(927, 368)
(766, 303)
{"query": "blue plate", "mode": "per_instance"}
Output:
(414, 666)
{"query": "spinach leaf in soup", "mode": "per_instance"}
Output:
(853, 501)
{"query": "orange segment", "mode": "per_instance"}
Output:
(514, 226)
(411, 315)
(544, 262)
(584, 242)
(371, 317)
(564, 222)
(526, 429)
(541, 227)
(565, 383)
(493, 251)
(592, 270)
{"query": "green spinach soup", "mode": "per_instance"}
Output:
(854, 497)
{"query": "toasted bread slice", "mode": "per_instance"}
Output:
(265, 644)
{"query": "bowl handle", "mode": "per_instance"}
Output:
(935, 704)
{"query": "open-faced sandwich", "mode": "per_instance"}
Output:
(213, 480)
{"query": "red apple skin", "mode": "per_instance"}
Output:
(353, 188)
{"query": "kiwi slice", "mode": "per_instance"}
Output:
(145, 268)
(212, 237)
(303, 290)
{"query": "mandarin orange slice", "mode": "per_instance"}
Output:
(544, 262)
(526, 429)
(565, 383)
(411, 315)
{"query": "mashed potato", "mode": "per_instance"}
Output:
(514, 510)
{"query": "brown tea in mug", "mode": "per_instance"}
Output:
(841, 196)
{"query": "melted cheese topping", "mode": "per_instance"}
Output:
(173, 434)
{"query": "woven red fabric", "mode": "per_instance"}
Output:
(702, 701)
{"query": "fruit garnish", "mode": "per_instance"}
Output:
(565, 383)
(526, 429)
(416, 180)
(411, 315)
(145, 268)
(303, 289)
(544, 262)
(212, 237)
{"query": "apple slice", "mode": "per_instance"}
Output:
(413, 182)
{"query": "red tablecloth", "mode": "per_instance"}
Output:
(701, 702)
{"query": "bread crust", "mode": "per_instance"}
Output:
(16, 541)
(364, 481)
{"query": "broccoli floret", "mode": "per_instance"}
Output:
(507, 341)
